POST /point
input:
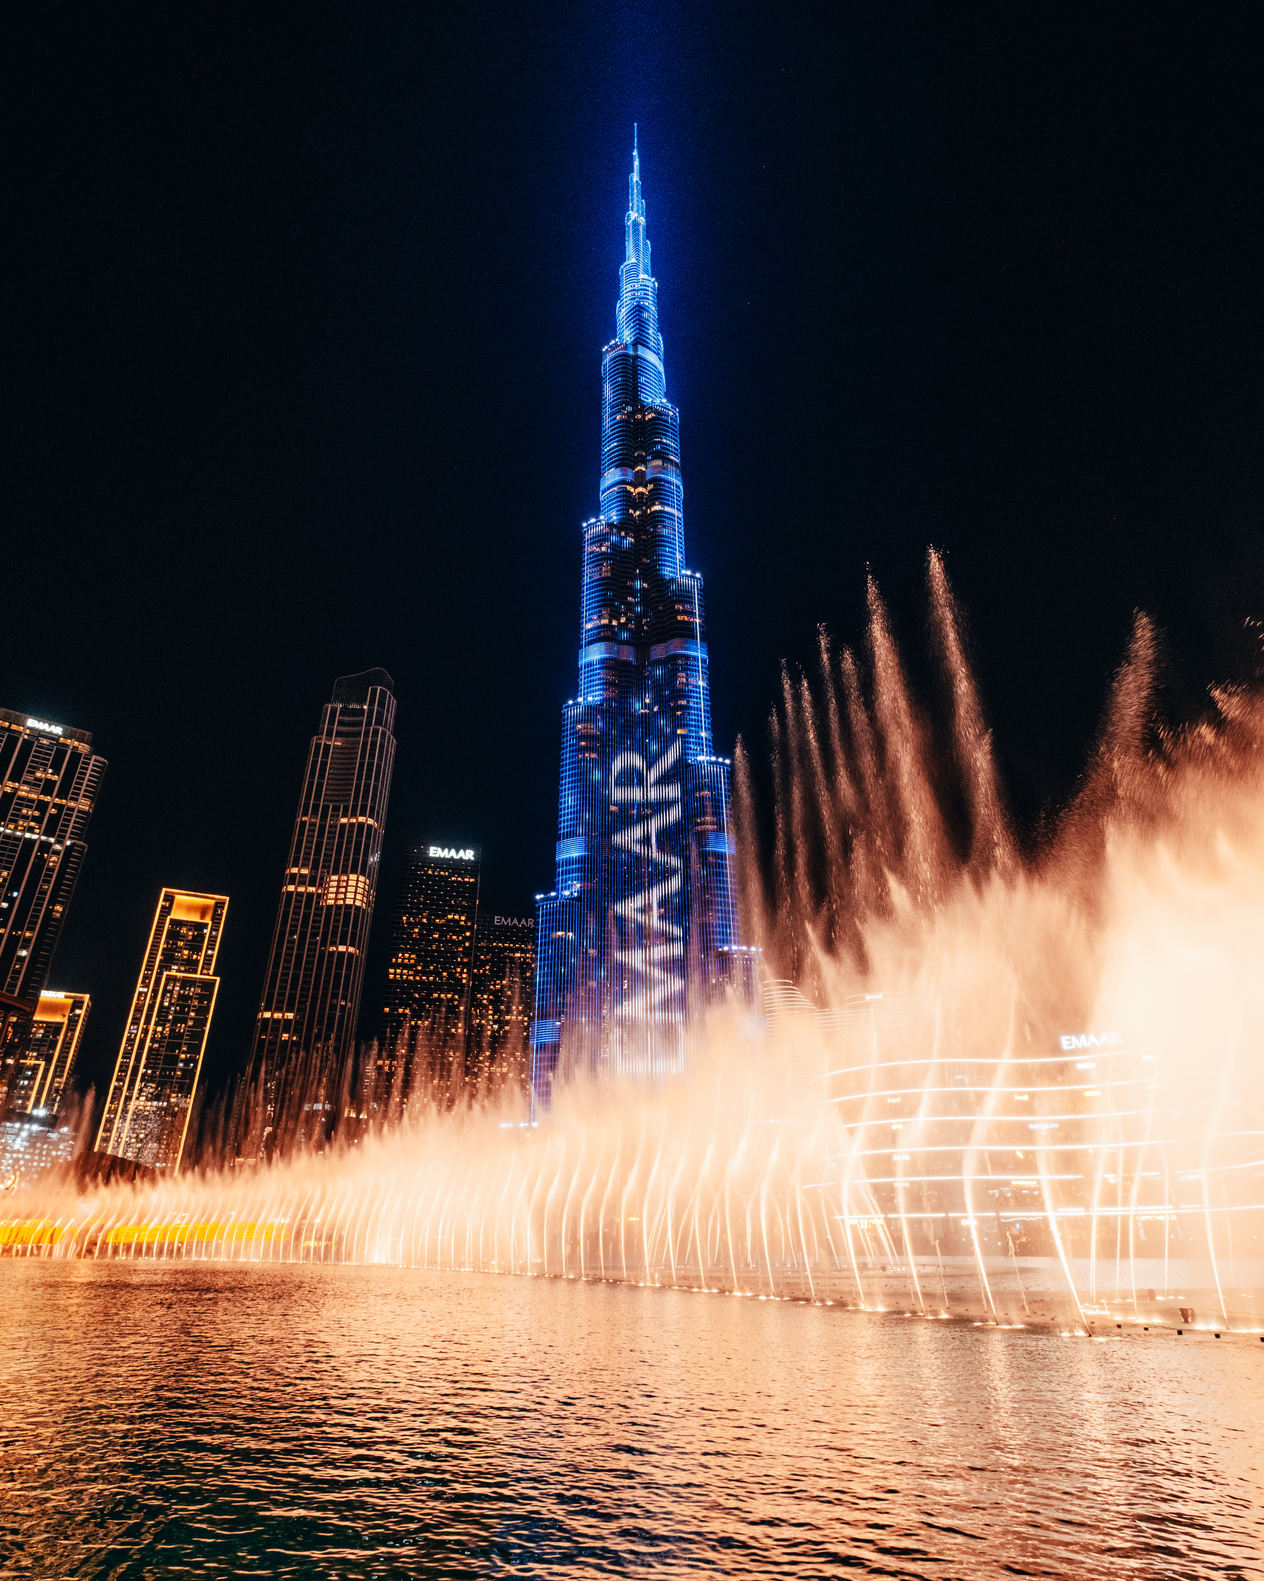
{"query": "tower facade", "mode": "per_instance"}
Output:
(150, 1100)
(39, 1072)
(304, 1032)
(426, 1005)
(49, 781)
(501, 987)
(638, 932)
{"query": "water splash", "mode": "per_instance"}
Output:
(1021, 1086)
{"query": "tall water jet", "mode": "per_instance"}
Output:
(916, 835)
(991, 838)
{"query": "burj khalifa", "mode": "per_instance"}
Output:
(639, 934)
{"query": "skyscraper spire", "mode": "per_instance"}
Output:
(638, 247)
(636, 315)
(638, 935)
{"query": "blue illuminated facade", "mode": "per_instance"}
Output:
(639, 933)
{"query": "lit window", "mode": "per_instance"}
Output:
(347, 889)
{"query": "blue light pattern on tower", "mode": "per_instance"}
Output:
(639, 933)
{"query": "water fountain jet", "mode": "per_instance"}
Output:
(1025, 1079)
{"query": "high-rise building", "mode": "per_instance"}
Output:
(638, 933)
(150, 1100)
(49, 780)
(426, 1005)
(304, 1035)
(38, 1074)
(501, 988)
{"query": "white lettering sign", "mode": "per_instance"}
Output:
(454, 853)
(514, 922)
(43, 724)
(654, 945)
(1089, 1040)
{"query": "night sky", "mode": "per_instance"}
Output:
(305, 314)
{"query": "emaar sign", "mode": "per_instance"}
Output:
(1089, 1040)
(453, 853)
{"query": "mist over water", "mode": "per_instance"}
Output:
(1010, 1080)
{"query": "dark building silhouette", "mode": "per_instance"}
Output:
(49, 781)
(426, 1001)
(156, 1074)
(299, 1073)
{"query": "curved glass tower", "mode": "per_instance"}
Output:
(639, 932)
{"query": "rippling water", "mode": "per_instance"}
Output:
(308, 1421)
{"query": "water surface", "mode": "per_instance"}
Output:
(205, 1420)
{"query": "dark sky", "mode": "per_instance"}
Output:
(305, 313)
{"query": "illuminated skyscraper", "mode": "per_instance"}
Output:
(36, 1077)
(501, 986)
(155, 1077)
(311, 993)
(49, 780)
(425, 1010)
(637, 934)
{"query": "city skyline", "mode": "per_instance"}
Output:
(286, 337)
(812, 1121)
(144, 1113)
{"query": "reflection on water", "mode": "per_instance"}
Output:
(335, 1421)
